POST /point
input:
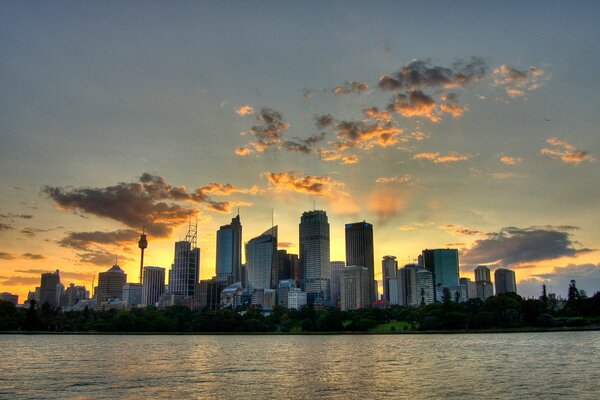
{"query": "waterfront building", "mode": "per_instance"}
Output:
(185, 271)
(483, 282)
(61, 299)
(336, 269)
(261, 260)
(74, 294)
(132, 295)
(443, 264)
(393, 292)
(232, 296)
(296, 298)
(154, 285)
(355, 289)
(110, 284)
(389, 267)
(505, 281)
(229, 251)
(287, 265)
(458, 293)
(471, 288)
(314, 254)
(359, 251)
(12, 298)
(424, 285)
(283, 289)
(406, 286)
(48, 288)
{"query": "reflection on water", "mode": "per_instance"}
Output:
(491, 366)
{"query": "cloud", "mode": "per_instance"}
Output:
(451, 105)
(31, 232)
(461, 230)
(243, 151)
(517, 83)
(507, 160)
(437, 158)
(375, 113)
(6, 256)
(303, 145)
(421, 74)
(307, 94)
(314, 185)
(31, 256)
(407, 228)
(512, 246)
(503, 175)
(323, 121)
(386, 204)
(566, 152)
(350, 159)
(100, 257)
(269, 132)
(82, 240)
(19, 280)
(350, 87)
(365, 134)
(6, 227)
(245, 110)
(226, 189)
(63, 274)
(416, 104)
(395, 179)
(11, 216)
(285, 245)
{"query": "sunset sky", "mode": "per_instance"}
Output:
(444, 124)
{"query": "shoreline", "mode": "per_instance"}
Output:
(438, 332)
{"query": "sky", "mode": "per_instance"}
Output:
(465, 125)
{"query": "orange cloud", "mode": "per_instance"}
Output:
(350, 159)
(243, 151)
(245, 110)
(565, 152)
(517, 83)
(416, 104)
(386, 204)
(439, 159)
(308, 184)
(507, 160)
(395, 179)
(225, 189)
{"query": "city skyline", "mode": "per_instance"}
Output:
(438, 137)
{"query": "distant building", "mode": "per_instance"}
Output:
(61, 298)
(154, 285)
(261, 260)
(74, 294)
(355, 288)
(232, 296)
(336, 270)
(406, 286)
(229, 251)
(424, 284)
(48, 288)
(443, 264)
(314, 254)
(266, 298)
(132, 295)
(185, 271)
(470, 286)
(283, 289)
(296, 298)
(287, 266)
(359, 252)
(505, 281)
(210, 294)
(458, 293)
(393, 292)
(6, 296)
(483, 282)
(389, 267)
(110, 284)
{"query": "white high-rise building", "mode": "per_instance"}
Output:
(314, 254)
(261, 259)
(184, 276)
(336, 269)
(389, 267)
(483, 282)
(424, 284)
(296, 298)
(356, 288)
(154, 285)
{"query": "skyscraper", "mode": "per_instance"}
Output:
(443, 264)
(359, 251)
(261, 259)
(185, 271)
(314, 254)
(408, 295)
(483, 282)
(154, 285)
(229, 251)
(110, 284)
(389, 267)
(336, 270)
(48, 288)
(355, 289)
(505, 281)
(425, 292)
(285, 265)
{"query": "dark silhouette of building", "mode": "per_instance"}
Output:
(110, 284)
(505, 281)
(48, 288)
(359, 251)
(314, 254)
(229, 251)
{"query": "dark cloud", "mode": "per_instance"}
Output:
(31, 256)
(6, 256)
(586, 276)
(83, 240)
(420, 74)
(415, 104)
(11, 216)
(99, 257)
(31, 232)
(270, 132)
(350, 87)
(19, 280)
(517, 83)
(285, 245)
(304, 145)
(563, 150)
(323, 121)
(511, 246)
(6, 227)
(63, 274)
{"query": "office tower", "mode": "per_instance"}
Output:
(110, 284)
(336, 269)
(443, 264)
(389, 267)
(505, 281)
(356, 288)
(483, 282)
(470, 286)
(283, 289)
(285, 265)
(296, 298)
(154, 285)
(424, 284)
(229, 251)
(6, 296)
(132, 295)
(142, 244)
(209, 294)
(314, 254)
(75, 294)
(406, 282)
(185, 271)
(261, 260)
(359, 251)
(48, 288)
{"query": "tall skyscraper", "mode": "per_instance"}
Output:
(359, 251)
(185, 271)
(110, 284)
(314, 254)
(408, 295)
(505, 281)
(443, 264)
(336, 270)
(48, 288)
(285, 265)
(355, 288)
(483, 282)
(142, 244)
(154, 285)
(229, 251)
(389, 267)
(261, 260)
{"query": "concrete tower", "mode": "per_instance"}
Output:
(142, 244)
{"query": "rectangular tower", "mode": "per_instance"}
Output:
(314, 254)
(359, 251)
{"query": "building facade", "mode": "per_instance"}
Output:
(483, 282)
(261, 260)
(229, 251)
(359, 251)
(314, 254)
(389, 269)
(443, 264)
(154, 285)
(505, 281)
(355, 292)
(48, 288)
(110, 284)
(336, 270)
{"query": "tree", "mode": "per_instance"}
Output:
(446, 297)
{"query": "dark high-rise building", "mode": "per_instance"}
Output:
(336, 272)
(483, 282)
(359, 251)
(505, 281)
(261, 260)
(285, 265)
(110, 284)
(185, 271)
(389, 267)
(443, 264)
(48, 288)
(314, 254)
(229, 251)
